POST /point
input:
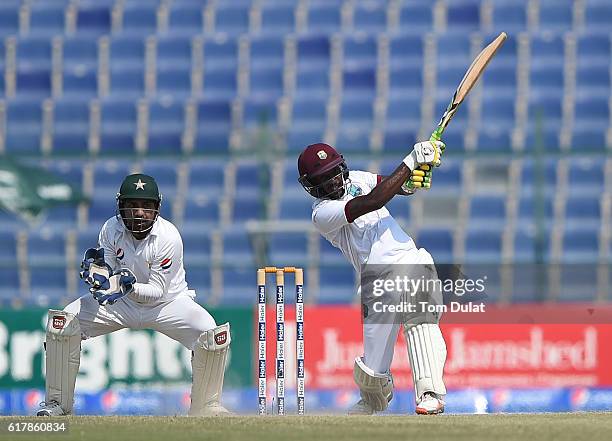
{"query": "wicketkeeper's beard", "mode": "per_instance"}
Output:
(138, 224)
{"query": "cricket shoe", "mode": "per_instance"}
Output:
(51, 408)
(213, 409)
(430, 405)
(361, 408)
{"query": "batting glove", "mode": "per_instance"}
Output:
(94, 271)
(120, 284)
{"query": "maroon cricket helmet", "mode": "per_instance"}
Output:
(316, 160)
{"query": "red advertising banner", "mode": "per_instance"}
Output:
(479, 355)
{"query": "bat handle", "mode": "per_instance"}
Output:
(437, 134)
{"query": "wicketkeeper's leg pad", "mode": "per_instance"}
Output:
(63, 356)
(376, 389)
(208, 368)
(427, 354)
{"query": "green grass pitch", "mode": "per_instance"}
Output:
(500, 427)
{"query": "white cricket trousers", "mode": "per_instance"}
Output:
(181, 318)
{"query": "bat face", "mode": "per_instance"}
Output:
(467, 83)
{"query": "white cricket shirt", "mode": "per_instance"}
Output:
(157, 260)
(374, 238)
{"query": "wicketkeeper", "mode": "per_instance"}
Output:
(350, 213)
(136, 280)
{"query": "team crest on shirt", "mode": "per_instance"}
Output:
(120, 253)
(166, 263)
(354, 190)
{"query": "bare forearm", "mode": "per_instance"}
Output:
(379, 196)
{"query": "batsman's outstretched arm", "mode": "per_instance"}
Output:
(423, 153)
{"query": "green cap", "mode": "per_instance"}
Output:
(139, 186)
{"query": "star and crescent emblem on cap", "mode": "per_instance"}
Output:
(140, 185)
(322, 154)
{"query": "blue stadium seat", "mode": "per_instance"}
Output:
(9, 20)
(556, 15)
(173, 51)
(403, 112)
(8, 243)
(34, 82)
(70, 126)
(47, 19)
(530, 174)
(298, 137)
(312, 81)
(547, 79)
(86, 238)
(127, 51)
(398, 139)
(586, 175)
(232, 18)
(238, 286)
(247, 207)
(487, 211)
(70, 170)
(266, 51)
(260, 111)
(48, 286)
(416, 16)
(353, 138)
(220, 83)
(510, 16)
(220, 52)
(547, 49)
(497, 110)
(198, 279)
(46, 248)
(448, 78)
(405, 50)
(439, 243)
(165, 175)
(449, 177)
(544, 136)
(296, 206)
(356, 112)
(323, 18)
(9, 290)
(206, 177)
(185, 19)
(313, 50)
(592, 112)
(288, 247)
(370, 17)
(200, 210)
(80, 82)
(118, 125)
(592, 80)
(237, 249)
(483, 246)
(583, 211)
(593, 47)
(598, 15)
(530, 209)
(266, 81)
(545, 109)
(405, 80)
(108, 176)
(174, 81)
(278, 18)
(127, 82)
(337, 285)
(464, 16)
(93, 20)
(140, 18)
(360, 50)
(214, 124)
(23, 126)
(453, 49)
(580, 245)
(494, 138)
(308, 111)
(501, 79)
(80, 53)
(166, 125)
(196, 248)
(359, 82)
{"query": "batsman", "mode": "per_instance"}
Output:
(136, 280)
(349, 211)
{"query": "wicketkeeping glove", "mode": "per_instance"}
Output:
(120, 284)
(94, 271)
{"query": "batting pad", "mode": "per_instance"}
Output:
(376, 389)
(427, 354)
(63, 356)
(208, 368)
